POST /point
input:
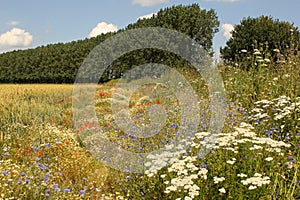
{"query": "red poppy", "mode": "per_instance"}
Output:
(67, 143)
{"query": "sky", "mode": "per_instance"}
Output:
(31, 23)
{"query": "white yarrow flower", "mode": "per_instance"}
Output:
(222, 190)
(269, 159)
(252, 187)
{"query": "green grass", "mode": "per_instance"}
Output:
(41, 154)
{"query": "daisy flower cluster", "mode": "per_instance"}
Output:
(187, 175)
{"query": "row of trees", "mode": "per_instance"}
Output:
(59, 63)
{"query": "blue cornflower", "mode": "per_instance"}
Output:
(203, 165)
(174, 125)
(5, 172)
(46, 177)
(81, 192)
(67, 190)
(35, 148)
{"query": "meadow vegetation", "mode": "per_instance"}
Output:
(255, 157)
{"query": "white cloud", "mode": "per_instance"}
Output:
(226, 30)
(149, 2)
(16, 37)
(103, 27)
(147, 16)
(13, 23)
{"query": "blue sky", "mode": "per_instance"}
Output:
(31, 23)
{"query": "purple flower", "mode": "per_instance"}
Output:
(6, 154)
(22, 174)
(46, 178)
(67, 190)
(47, 195)
(203, 165)
(81, 192)
(27, 181)
(5, 172)
(174, 125)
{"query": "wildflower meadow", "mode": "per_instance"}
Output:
(255, 156)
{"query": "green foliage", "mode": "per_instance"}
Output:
(59, 63)
(277, 38)
(256, 156)
(199, 24)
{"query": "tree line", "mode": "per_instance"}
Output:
(59, 63)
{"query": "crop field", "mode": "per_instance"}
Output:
(256, 156)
